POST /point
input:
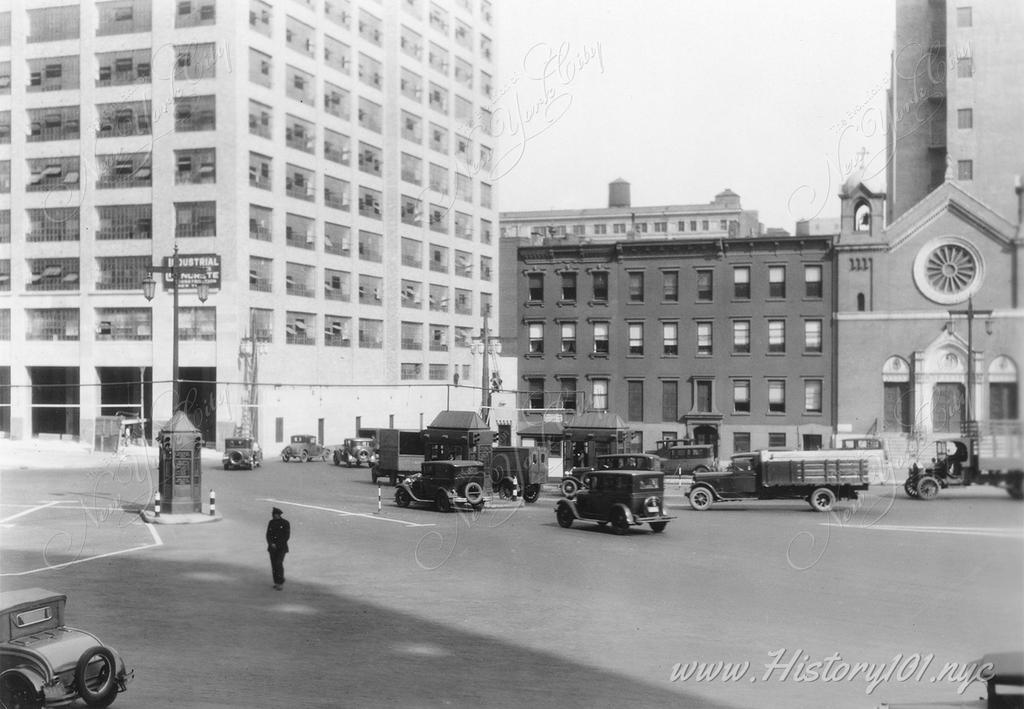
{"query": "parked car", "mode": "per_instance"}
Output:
(44, 663)
(684, 458)
(304, 448)
(445, 484)
(623, 498)
(242, 453)
(355, 452)
(610, 461)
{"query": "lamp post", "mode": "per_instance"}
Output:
(486, 344)
(175, 271)
(970, 313)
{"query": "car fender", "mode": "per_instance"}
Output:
(624, 508)
(570, 504)
(708, 486)
(30, 674)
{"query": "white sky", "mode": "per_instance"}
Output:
(688, 97)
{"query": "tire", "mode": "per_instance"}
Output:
(402, 497)
(304, 457)
(444, 504)
(474, 493)
(569, 487)
(96, 689)
(927, 488)
(505, 489)
(17, 691)
(531, 494)
(620, 521)
(235, 458)
(658, 527)
(822, 499)
(337, 457)
(564, 515)
(285, 457)
(227, 467)
(362, 457)
(910, 487)
(701, 498)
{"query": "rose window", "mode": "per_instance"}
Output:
(948, 270)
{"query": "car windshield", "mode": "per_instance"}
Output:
(236, 443)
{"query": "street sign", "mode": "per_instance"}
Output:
(193, 269)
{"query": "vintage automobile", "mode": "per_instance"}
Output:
(304, 448)
(355, 452)
(242, 453)
(610, 461)
(44, 663)
(445, 484)
(622, 497)
(684, 457)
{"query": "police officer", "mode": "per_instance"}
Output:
(278, 532)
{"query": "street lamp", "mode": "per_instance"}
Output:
(970, 314)
(175, 271)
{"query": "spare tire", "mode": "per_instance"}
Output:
(474, 492)
(96, 687)
(235, 457)
(570, 486)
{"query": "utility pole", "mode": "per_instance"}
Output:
(970, 314)
(487, 347)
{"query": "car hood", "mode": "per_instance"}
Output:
(59, 648)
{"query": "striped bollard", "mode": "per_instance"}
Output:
(156, 504)
(213, 502)
(378, 500)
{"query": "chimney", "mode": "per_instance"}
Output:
(618, 193)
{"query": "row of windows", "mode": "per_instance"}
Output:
(703, 340)
(50, 24)
(771, 396)
(731, 226)
(703, 283)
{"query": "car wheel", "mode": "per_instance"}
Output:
(227, 467)
(564, 516)
(285, 457)
(701, 498)
(658, 526)
(620, 521)
(910, 487)
(1015, 489)
(304, 456)
(505, 490)
(444, 504)
(569, 487)
(402, 497)
(822, 499)
(474, 493)
(16, 691)
(94, 676)
(337, 457)
(927, 487)
(531, 494)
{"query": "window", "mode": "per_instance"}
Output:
(412, 127)
(370, 246)
(741, 282)
(299, 280)
(299, 183)
(337, 331)
(964, 67)
(964, 17)
(812, 281)
(412, 294)
(336, 147)
(337, 55)
(197, 323)
(636, 287)
(195, 61)
(965, 169)
(195, 219)
(412, 336)
(741, 396)
(812, 396)
(195, 14)
(777, 440)
(53, 73)
(370, 71)
(124, 170)
(370, 27)
(58, 123)
(464, 73)
(195, 113)
(411, 85)
(438, 258)
(777, 396)
(195, 167)
(670, 400)
(438, 338)
(703, 390)
(635, 400)
(412, 252)
(52, 224)
(299, 85)
(121, 272)
(299, 328)
(600, 281)
(568, 338)
(599, 394)
(52, 324)
(260, 117)
(776, 281)
(812, 336)
(1002, 400)
(299, 134)
(259, 171)
(371, 290)
(337, 101)
(777, 336)
(569, 286)
(259, 16)
(636, 338)
(670, 286)
(370, 158)
(741, 337)
(126, 221)
(299, 231)
(567, 395)
(463, 225)
(965, 118)
(601, 344)
(337, 239)
(51, 174)
(260, 222)
(370, 115)
(670, 338)
(5, 127)
(536, 337)
(299, 37)
(411, 43)
(705, 286)
(741, 442)
(464, 264)
(704, 338)
(260, 68)
(53, 274)
(600, 229)
(261, 274)
(337, 193)
(50, 24)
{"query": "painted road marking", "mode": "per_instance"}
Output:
(30, 511)
(157, 541)
(1001, 532)
(348, 514)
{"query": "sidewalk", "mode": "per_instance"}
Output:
(40, 453)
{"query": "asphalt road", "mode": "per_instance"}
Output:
(414, 608)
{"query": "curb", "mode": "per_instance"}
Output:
(168, 518)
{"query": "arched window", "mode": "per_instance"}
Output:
(862, 216)
(860, 302)
(1002, 389)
